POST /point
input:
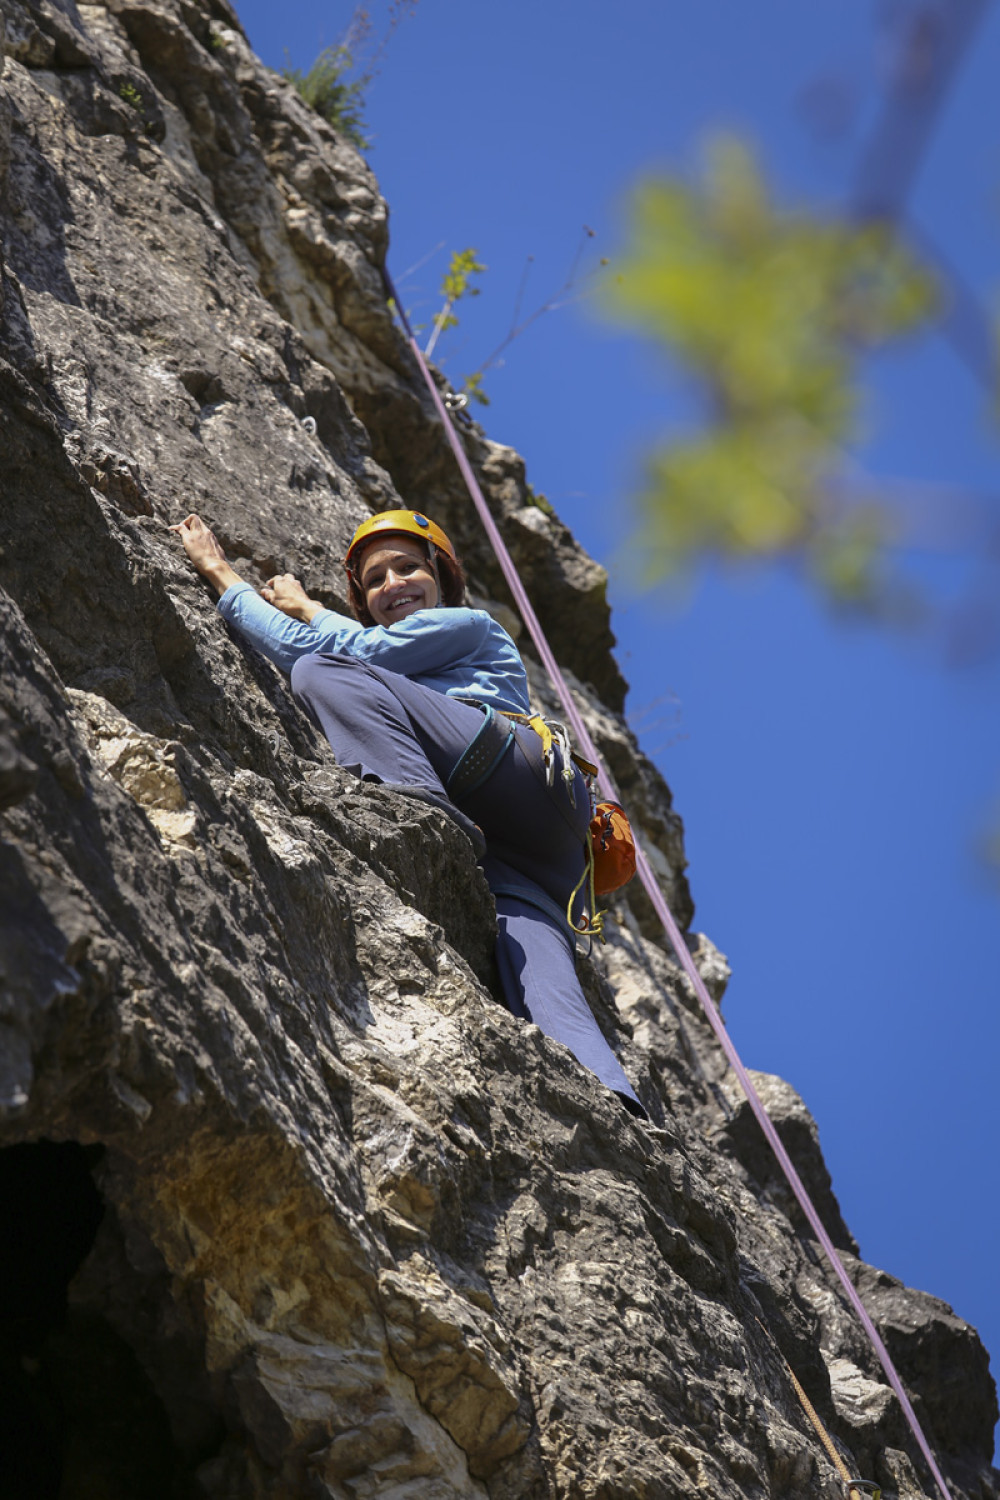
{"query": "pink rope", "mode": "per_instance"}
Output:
(651, 886)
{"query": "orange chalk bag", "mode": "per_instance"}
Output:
(610, 863)
(613, 848)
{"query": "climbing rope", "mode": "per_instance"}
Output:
(591, 923)
(854, 1487)
(652, 889)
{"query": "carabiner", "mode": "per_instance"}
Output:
(568, 772)
(866, 1486)
(457, 404)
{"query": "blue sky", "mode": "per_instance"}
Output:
(833, 778)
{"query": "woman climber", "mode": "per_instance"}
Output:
(414, 693)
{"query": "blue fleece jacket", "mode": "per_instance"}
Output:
(461, 652)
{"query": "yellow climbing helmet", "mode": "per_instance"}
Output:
(397, 523)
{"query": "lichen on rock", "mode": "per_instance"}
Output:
(293, 1206)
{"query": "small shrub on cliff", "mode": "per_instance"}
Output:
(327, 87)
(327, 90)
(457, 283)
(539, 501)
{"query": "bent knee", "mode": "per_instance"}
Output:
(309, 673)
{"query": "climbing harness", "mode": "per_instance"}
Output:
(609, 847)
(652, 889)
(482, 754)
(549, 732)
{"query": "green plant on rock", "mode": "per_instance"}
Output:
(578, 285)
(327, 89)
(130, 94)
(472, 386)
(539, 501)
(456, 284)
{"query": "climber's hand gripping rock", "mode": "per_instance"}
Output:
(203, 548)
(286, 593)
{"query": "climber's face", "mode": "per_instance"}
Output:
(397, 579)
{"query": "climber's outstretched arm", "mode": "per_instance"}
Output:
(202, 546)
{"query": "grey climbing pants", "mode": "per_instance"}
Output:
(383, 727)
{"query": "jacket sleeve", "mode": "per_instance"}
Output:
(279, 637)
(423, 644)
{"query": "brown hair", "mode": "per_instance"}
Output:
(449, 571)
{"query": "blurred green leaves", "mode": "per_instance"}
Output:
(770, 311)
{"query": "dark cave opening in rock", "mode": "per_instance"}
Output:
(79, 1419)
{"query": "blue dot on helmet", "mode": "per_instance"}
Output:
(421, 520)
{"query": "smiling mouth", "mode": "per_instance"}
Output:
(400, 603)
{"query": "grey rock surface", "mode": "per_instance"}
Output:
(293, 1206)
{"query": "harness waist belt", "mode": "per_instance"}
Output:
(482, 755)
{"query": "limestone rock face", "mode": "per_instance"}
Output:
(292, 1206)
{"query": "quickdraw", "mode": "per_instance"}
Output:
(552, 733)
